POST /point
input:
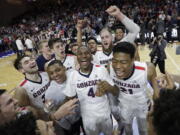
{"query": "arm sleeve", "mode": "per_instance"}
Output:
(133, 29)
(69, 90)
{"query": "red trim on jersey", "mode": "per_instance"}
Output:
(70, 55)
(23, 82)
(97, 65)
(140, 68)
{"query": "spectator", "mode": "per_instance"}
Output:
(158, 54)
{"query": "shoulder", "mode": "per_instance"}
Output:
(23, 83)
(70, 55)
(44, 74)
(140, 65)
(39, 58)
(151, 68)
(71, 73)
(100, 68)
(98, 52)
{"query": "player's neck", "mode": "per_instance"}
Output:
(86, 70)
(130, 73)
(107, 51)
(47, 56)
(33, 77)
(60, 57)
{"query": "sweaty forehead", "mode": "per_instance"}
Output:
(119, 30)
(54, 66)
(83, 49)
(121, 55)
(58, 43)
(25, 59)
(105, 32)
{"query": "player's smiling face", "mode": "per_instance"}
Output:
(57, 73)
(119, 34)
(29, 65)
(84, 58)
(122, 64)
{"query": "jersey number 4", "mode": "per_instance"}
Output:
(91, 93)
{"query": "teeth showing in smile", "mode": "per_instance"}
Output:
(119, 73)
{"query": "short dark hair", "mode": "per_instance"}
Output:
(166, 115)
(2, 91)
(17, 62)
(120, 27)
(125, 47)
(92, 38)
(24, 125)
(55, 62)
(53, 41)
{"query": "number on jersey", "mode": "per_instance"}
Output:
(43, 98)
(91, 93)
(127, 91)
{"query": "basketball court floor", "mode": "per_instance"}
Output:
(10, 77)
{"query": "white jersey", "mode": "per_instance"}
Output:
(19, 44)
(100, 58)
(55, 93)
(29, 43)
(85, 86)
(133, 30)
(36, 90)
(134, 87)
(133, 95)
(69, 61)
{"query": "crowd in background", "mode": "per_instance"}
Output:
(50, 35)
(153, 16)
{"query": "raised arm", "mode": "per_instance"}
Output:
(152, 79)
(79, 27)
(132, 27)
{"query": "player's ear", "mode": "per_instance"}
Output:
(21, 70)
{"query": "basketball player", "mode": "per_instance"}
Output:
(132, 78)
(32, 90)
(45, 54)
(58, 48)
(57, 72)
(119, 34)
(95, 111)
(103, 57)
(8, 107)
(35, 83)
(14, 119)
